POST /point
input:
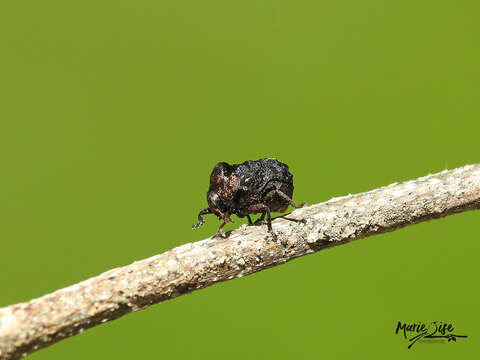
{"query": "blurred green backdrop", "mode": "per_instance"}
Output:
(113, 114)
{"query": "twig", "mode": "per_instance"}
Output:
(32, 325)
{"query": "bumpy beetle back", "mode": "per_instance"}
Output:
(263, 175)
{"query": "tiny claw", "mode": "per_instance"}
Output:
(274, 235)
(218, 235)
(301, 205)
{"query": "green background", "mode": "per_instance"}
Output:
(113, 113)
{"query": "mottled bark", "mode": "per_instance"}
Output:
(29, 326)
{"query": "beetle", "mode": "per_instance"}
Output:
(255, 186)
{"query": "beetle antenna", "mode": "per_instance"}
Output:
(201, 220)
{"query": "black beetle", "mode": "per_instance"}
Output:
(256, 186)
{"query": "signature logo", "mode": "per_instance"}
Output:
(436, 331)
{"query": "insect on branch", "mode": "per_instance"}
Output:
(29, 326)
(255, 186)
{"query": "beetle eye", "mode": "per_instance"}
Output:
(215, 201)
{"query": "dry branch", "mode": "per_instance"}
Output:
(29, 326)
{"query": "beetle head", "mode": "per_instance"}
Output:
(219, 183)
(220, 174)
(217, 206)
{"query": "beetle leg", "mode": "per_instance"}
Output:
(249, 220)
(219, 231)
(261, 208)
(285, 197)
(201, 220)
(269, 218)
